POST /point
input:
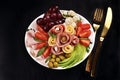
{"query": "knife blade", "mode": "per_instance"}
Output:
(107, 24)
(106, 27)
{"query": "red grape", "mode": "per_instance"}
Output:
(59, 15)
(53, 16)
(51, 24)
(47, 18)
(54, 9)
(50, 10)
(39, 21)
(58, 22)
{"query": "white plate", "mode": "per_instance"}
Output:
(41, 61)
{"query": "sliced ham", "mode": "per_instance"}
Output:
(75, 40)
(63, 39)
(30, 38)
(56, 50)
(57, 29)
(33, 52)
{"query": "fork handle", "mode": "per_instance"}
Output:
(91, 56)
(89, 62)
(95, 59)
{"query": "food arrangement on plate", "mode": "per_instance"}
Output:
(59, 39)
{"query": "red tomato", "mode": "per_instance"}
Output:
(79, 29)
(41, 31)
(85, 42)
(85, 34)
(79, 24)
(47, 52)
(41, 36)
(85, 26)
(40, 45)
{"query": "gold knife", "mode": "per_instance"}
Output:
(104, 32)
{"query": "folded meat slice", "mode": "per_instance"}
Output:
(29, 41)
(33, 52)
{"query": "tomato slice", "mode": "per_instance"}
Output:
(41, 36)
(85, 42)
(47, 52)
(85, 26)
(85, 34)
(78, 30)
(79, 24)
(41, 31)
(39, 45)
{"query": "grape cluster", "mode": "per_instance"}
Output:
(52, 17)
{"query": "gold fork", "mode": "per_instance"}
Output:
(97, 19)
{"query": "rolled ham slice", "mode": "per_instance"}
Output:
(57, 29)
(63, 39)
(75, 40)
(56, 50)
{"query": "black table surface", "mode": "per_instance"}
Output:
(16, 64)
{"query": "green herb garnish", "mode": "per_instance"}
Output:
(40, 52)
(47, 59)
(65, 16)
(52, 35)
(36, 39)
(88, 49)
(79, 20)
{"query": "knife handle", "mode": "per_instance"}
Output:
(95, 59)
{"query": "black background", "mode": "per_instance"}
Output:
(16, 64)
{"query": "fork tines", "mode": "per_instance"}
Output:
(98, 15)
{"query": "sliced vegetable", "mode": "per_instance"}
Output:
(85, 42)
(47, 52)
(52, 35)
(36, 39)
(39, 45)
(40, 52)
(65, 16)
(85, 34)
(48, 58)
(78, 30)
(88, 48)
(80, 51)
(79, 24)
(85, 26)
(41, 36)
(41, 31)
